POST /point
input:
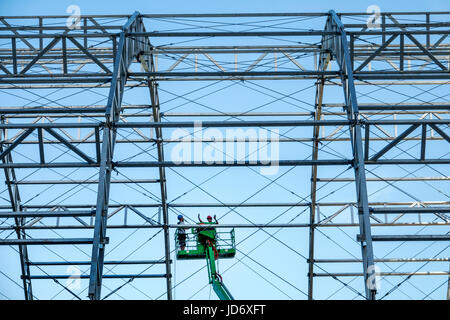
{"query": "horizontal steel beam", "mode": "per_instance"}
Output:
(233, 75)
(143, 114)
(83, 263)
(277, 123)
(397, 210)
(43, 79)
(218, 124)
(317, 32)
(51, 17)
(122, 181)
(147, 140)
(44, 214)
(225, 124)
(361, 50)
(155, 164)
(238, 205)
(395, 106)
(405, 75)
(32, 110)
(61, 27)
(51, 125)
(158, 34)
(300, 225)
(226, 204)
(9, 242)
(295, 14)
(96, 35)
(363, 78)
(134, 84)
(407, 161)
(401, 260)
(384, 274)
(443, 178)
(431, 237)
(399, 32)
(237, 15)
(86, 276)
(254, 225)
(49, 165)
(236, 74)
(311, 33)
(231, 15)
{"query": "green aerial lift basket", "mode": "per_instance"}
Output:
(224, 242)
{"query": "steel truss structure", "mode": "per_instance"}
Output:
(376, 91)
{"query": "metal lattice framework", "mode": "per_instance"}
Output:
(376, 104)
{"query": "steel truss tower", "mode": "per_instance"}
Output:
(355, 71)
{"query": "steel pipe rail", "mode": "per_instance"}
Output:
(384, 274)
(230, 15)
(387, 260)
(86, 263)
(227, 204)
(431, 237)
(134, 84)
(278, 123)
(105, 276)
(9, 242)
(443, 178)
(397, 210)
(311, 33)
(56, 182)
(258, 226)
(226, 124)
(46, 214)
(156, 164)
(173, 164)
(144, 140)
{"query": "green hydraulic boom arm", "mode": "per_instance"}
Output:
(214, 278)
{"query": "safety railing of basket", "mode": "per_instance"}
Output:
(224, 239)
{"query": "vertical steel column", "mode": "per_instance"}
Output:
(153, 87)
(148, 63)
(324, 59)
(340, 50)
(98, 248)
(14, 197)
(127, 50)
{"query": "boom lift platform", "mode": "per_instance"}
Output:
(206, 242)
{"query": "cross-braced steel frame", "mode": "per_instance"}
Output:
(408, 50)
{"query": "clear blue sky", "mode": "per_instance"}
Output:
(242, 279)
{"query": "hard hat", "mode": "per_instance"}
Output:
(208, 217)
(180, 217)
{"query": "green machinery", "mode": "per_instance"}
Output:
(206, 242)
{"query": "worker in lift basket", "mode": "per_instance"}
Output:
(181, 231)
(202, 238)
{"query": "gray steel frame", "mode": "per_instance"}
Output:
(338, 47)
(154, 98)
(131, 41)
(127, 50)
